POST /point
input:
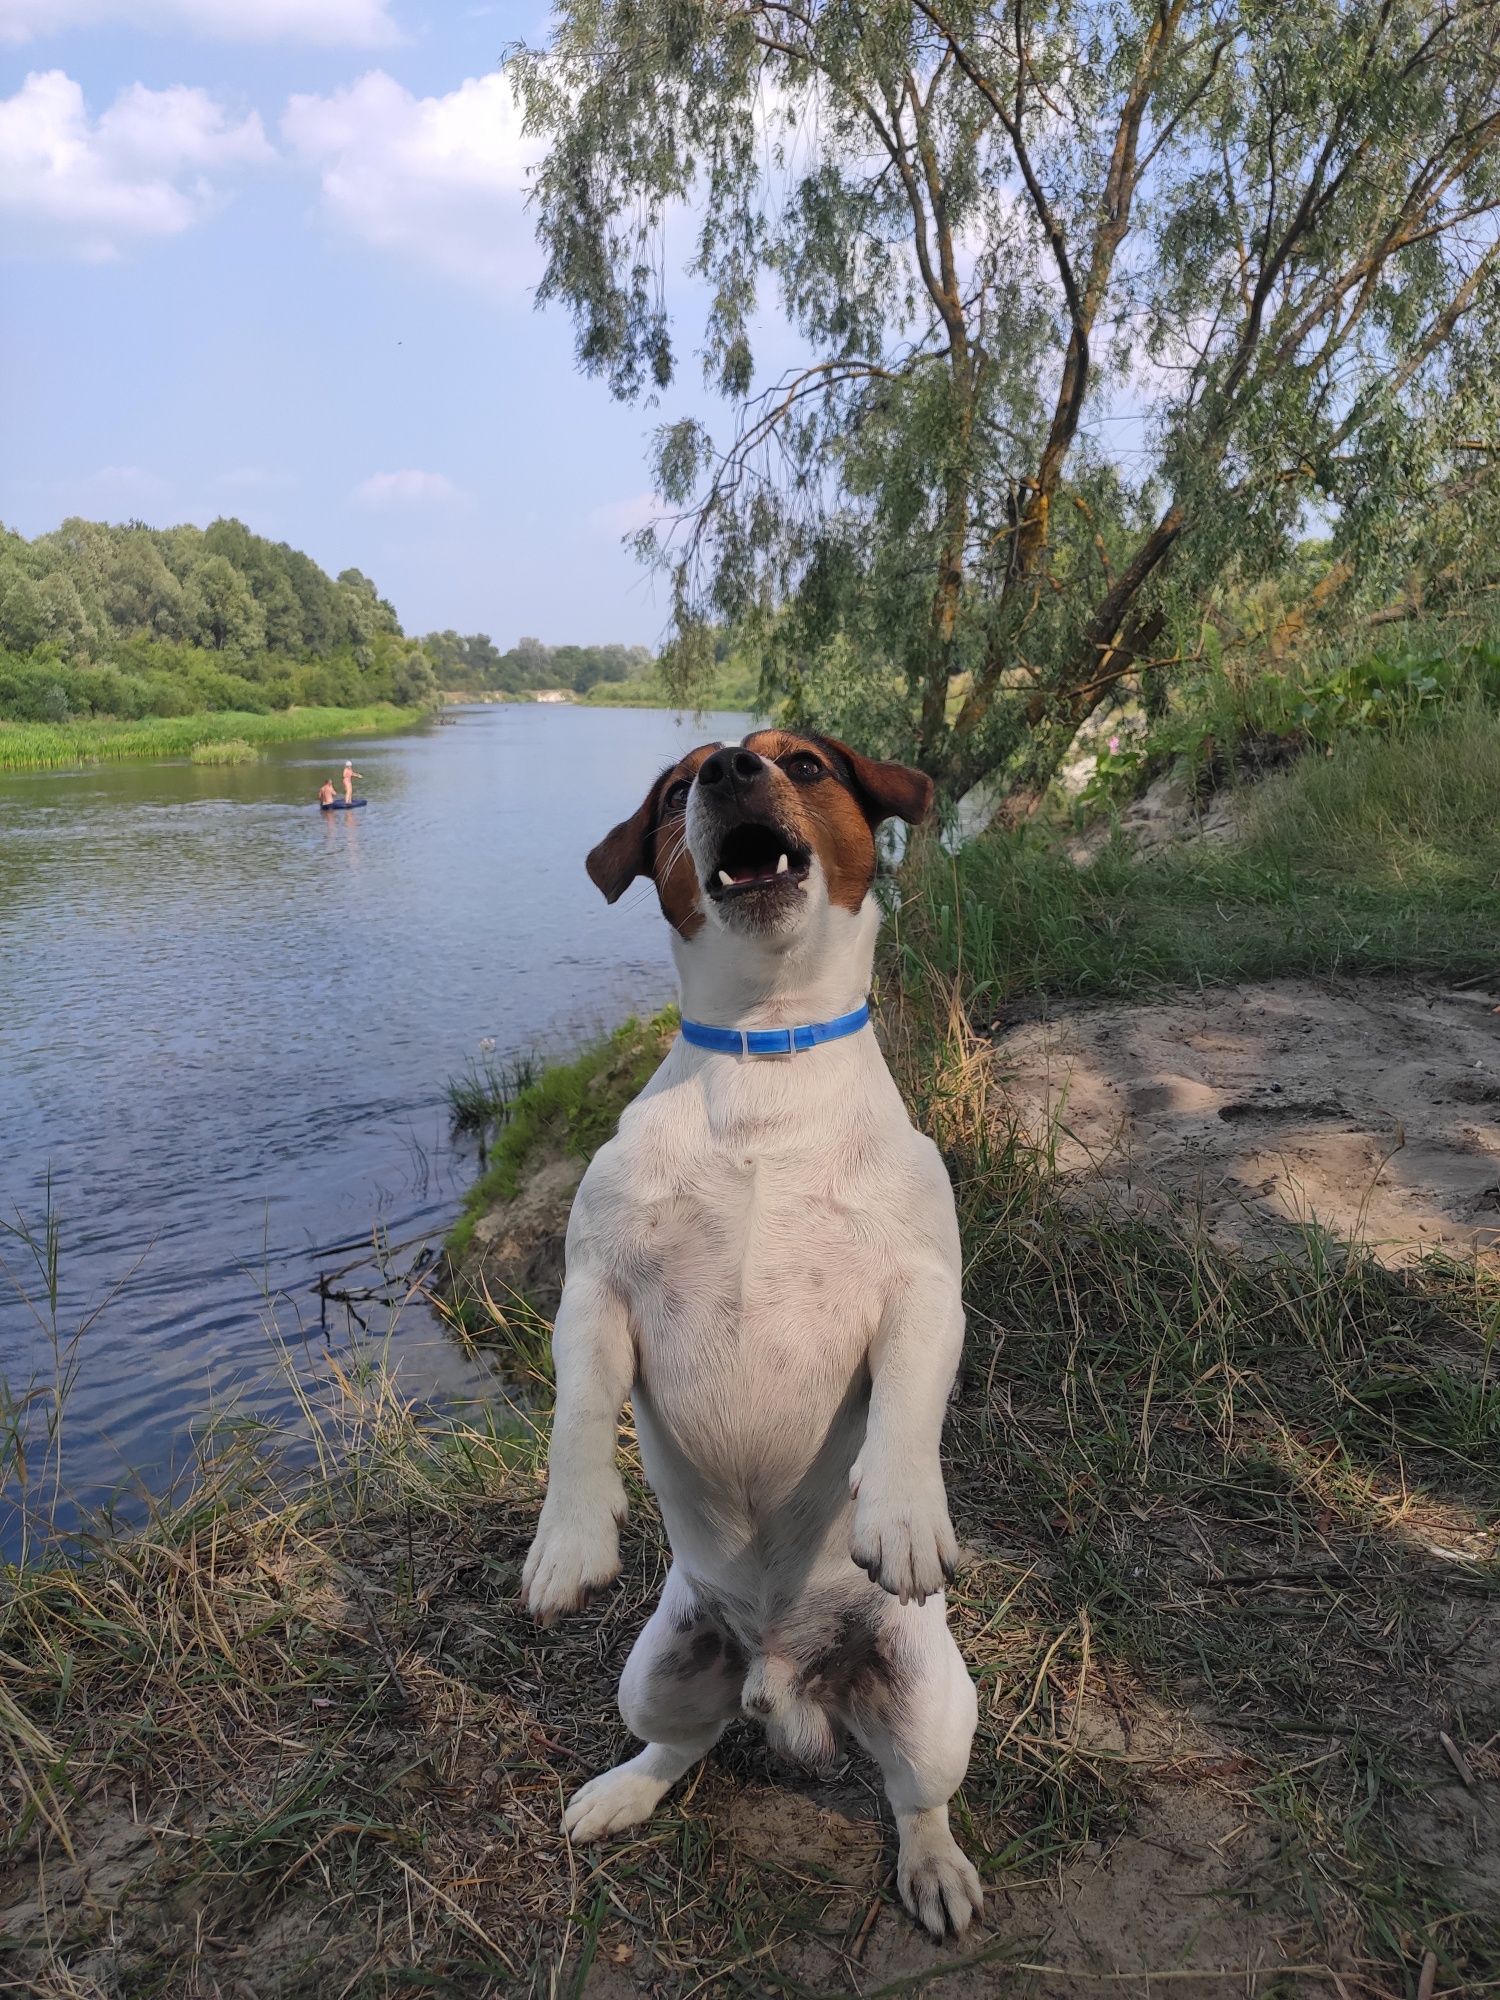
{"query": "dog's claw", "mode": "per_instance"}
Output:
(938, 1883)
(905, 1544)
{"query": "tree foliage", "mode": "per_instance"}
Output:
(474, 663)
(1102, 303)
(134, 621)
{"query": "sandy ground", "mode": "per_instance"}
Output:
(1369, 1107)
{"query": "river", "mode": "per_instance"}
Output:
(226, 1020)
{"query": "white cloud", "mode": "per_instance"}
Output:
(409, 488)
(118, 485)
(89, 186)
(437, 181)
(365, 24)
(618, 518)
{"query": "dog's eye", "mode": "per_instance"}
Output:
(677, 796)
(802, 768)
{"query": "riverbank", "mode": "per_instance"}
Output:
(726, 692)
(1230, 1589)
(56, 745)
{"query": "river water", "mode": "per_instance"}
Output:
(226, 1020)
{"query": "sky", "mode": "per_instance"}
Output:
(270, 258)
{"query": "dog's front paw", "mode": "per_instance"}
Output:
(902, 1537)
(576, 1551)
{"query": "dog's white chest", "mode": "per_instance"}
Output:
(751, 1295)
(753, 1266)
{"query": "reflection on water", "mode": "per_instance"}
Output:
(226, 1019)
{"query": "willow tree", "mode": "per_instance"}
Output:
(1093, 302)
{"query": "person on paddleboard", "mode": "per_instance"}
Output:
(326, 793)
(350, 774)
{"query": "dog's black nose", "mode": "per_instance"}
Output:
(737, 768)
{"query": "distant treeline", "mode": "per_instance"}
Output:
(475, 664)
(133, 621)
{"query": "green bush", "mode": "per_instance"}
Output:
(50, 746)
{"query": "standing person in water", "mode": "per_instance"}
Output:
(326, 793)
(350, 774)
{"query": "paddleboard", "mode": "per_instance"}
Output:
(340, 805)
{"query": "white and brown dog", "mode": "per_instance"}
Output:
(766, 1259)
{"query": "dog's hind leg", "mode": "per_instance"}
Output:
(917, 1722)
(680, 1686)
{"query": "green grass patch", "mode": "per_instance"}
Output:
(1383, 856)
(483, 1093)
(572, 1107)
(52, 745)
(234, 751)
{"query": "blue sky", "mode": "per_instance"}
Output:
(269, 258)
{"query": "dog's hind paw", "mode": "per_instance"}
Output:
(611, 1802)
(939, 1884)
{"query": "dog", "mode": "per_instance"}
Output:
(765, 1259)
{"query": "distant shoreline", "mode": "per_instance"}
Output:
(636, 694)
(40, 746)
(620, 694)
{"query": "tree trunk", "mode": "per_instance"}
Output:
(946, 596)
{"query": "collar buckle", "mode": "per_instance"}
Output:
(762, 1035)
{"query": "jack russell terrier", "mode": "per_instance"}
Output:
(766, 1260)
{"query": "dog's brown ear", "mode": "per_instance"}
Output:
(886, 791)
(626, 850)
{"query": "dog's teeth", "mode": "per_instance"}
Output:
(782, 865)
(726, 878)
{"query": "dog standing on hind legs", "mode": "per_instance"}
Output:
(766, 1259)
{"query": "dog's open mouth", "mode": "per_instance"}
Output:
(756, 859)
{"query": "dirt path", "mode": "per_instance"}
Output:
(1369, 1107)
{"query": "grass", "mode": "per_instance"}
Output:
(1230, 1571)
(51, 745)
(235, 750)
(483, 1094)
(571, 1107)
(1383, 856)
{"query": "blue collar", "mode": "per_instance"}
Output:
(774, 1041)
